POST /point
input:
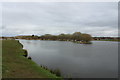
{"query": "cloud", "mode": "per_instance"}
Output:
(97, 19)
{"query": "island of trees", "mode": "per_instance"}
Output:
(75, 37)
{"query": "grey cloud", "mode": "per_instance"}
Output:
(54, 18)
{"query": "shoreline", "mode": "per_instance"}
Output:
(15, 63)
(79, 42)
(71, 41)
(108, 40)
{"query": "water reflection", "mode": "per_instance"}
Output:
(98, 60)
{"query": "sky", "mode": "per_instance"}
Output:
(27, 18)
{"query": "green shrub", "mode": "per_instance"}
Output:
(25, 53)
(57, 72)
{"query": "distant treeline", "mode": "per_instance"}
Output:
(107, 38)
(99, 38)
(75, 37)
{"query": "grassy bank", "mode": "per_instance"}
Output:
(0, 59)
(15, 65)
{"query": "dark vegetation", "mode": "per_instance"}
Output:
(57, 72)
(25, 53)
(106, 38)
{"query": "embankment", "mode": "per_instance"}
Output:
(15, 65)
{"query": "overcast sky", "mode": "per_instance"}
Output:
(95, 18)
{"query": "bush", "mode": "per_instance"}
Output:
(29, 58)
(57, 72)
(25, 53)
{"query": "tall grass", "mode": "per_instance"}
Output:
(57, 72)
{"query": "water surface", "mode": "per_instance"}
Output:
(97, 60)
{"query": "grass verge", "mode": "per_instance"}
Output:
(15, 65)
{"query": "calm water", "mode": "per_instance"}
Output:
(97, 60)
